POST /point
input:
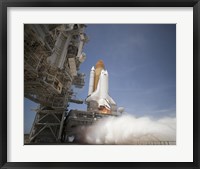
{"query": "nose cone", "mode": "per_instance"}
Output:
(100, 64)
(104, 72)
(92, 69)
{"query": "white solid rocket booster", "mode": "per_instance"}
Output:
(91, 82)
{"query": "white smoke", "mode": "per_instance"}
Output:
(128, 129)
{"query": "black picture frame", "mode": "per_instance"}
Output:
(4, 4)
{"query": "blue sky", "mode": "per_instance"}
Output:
(141, 62)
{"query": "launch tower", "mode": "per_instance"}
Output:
(52, 56)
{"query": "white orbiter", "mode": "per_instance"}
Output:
(98, 89)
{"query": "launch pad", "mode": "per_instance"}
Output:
(77, 119)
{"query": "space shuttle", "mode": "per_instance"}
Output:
(98, 90)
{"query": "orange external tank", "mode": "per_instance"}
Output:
(98, 68)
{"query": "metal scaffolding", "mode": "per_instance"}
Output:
(52, 56)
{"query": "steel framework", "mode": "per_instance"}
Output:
(52, 56)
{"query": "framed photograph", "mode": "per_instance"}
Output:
(100, 84)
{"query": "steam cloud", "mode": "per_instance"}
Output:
(128, 129)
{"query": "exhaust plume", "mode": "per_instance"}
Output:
(128, 129)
